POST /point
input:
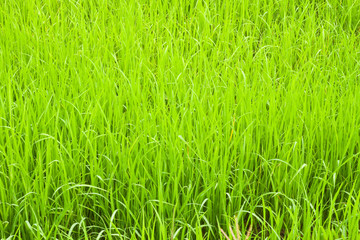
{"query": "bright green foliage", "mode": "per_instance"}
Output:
(154, 119)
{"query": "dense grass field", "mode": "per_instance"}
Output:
(179, 119)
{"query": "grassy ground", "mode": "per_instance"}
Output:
(153, 119)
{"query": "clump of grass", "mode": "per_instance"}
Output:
(160, 119)
(236, 230)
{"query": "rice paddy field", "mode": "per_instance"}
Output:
(179, 119)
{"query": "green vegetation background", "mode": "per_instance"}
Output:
(164, 119)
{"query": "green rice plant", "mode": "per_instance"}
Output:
(137, 119)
